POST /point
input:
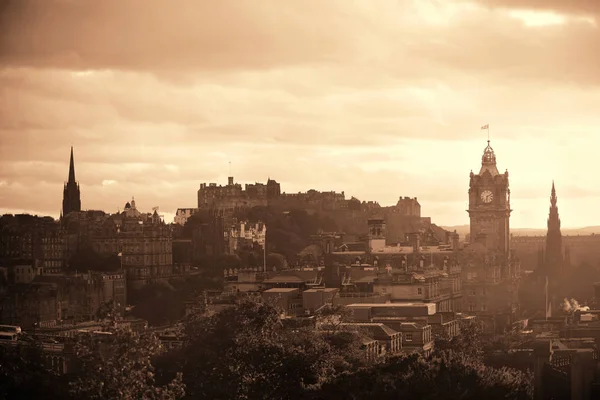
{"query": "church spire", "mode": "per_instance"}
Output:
(553, 218)
(554, 251)
(71, 168)
(71, 194)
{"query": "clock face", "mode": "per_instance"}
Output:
(487, 196)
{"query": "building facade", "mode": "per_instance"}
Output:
(490, 271)
(142, 241)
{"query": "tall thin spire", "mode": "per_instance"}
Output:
(71, 168)
(71, 194)
(554, 251)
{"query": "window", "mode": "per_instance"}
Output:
(409, 337)
(471, 306)
(483, 307)
(483, 291)
(473, 292)
(419, 291)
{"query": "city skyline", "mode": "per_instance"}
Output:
(334, 107)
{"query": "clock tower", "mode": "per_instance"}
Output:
(489, 207)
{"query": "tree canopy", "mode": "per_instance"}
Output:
(118, 367)
(247, 351)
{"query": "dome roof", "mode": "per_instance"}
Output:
(127, 206)
(488, 155)
(488, 161)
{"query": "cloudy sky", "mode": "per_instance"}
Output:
(377, 98)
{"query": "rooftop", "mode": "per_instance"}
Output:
(281, 290)
(327, 290)
(391, 305)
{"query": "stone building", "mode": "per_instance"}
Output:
(183, 214)
(233, 196)
(37, 242)
(243, 234)
(490, 271)
(142, 241)
(30, 305)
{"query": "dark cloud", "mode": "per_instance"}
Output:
(158, 35)
(586, 7)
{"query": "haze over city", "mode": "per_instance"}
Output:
(376, 99)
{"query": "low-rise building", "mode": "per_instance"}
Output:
(289, 300)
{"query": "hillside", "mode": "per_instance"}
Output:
(462, 230)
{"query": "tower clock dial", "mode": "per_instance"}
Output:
(487, 196)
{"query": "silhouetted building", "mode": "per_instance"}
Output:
(142, 241)
(489, 268)
(489, 206)
(32, 241)
(554, 259)
(71, 194)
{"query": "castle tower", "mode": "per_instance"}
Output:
(553, 255)
(489, 207)
(71, 194)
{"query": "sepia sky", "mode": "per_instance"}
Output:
(379, 99)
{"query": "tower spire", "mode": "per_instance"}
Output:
(71, 194)
(554, 255)
(71, 168)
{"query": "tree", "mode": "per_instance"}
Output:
(277, 261)
(158, 303)
(23, 374)
(467, 342)
(444, 375)
(119, 367)
(246, 352)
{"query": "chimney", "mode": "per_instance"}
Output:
(230, 181)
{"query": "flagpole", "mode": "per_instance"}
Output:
(487, 128)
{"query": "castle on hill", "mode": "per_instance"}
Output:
(351, 215)
(233, 196)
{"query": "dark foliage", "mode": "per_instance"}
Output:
(158, 303)
(288, 232)
(245, 352)
(119, 367)
(24, 374)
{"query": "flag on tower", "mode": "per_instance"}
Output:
(486, 126)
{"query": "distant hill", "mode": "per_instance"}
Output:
(462, 230)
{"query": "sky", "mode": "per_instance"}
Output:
(378, 99)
